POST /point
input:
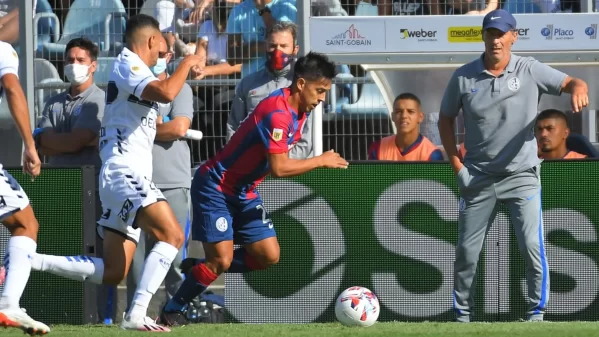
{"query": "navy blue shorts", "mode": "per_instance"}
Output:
(218, 217)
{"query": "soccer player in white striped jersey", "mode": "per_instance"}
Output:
(130, 201)
(15, 212)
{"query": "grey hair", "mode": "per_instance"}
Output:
(284, 26)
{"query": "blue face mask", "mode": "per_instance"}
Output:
(160, 67)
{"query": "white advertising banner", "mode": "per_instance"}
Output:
(413, 34)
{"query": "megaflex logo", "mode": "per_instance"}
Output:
(350, 37)
(465, 34)
(421, 35)
(475, 34)
(552, 33)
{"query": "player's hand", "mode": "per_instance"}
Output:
(31, 162)
(332, 159)
(159, 120)
(580, 98)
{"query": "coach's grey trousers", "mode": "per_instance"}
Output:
(179, 201)
(480, 195)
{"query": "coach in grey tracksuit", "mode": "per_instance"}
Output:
(172, 175)
(498, 94)
(281, 44)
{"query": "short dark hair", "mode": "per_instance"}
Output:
(85, 44)
(314, 67)
(407, 95)
(552, 113)
(138, 22)
(283, 26)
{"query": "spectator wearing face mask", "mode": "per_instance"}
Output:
(70, 124)
(67, 133)
(281, 52)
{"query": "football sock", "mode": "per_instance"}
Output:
(155, 268)
(243, 262)
(196, 281)
(18, 267)
(79, 268)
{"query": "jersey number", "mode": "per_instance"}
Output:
(264, 219)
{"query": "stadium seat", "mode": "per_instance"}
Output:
(371, 101)
(103, 22)
(47, 29)
(341, 94)
(581, 144)
(44, 72)
(103, 70)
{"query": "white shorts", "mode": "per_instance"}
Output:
(123, 192)
(12, 196)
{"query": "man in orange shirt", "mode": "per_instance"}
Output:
(551, 131)
(408, 144)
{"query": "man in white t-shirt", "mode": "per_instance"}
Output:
(15, 212)
(130, 200)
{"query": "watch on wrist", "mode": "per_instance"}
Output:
(264, 10)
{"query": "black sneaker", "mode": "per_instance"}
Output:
(174, 318)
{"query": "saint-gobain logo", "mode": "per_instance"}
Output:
(350, 37)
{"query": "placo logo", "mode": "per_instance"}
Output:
(552, 33)
(420, 35)
(465, 34)
(350, 37)
(591, 31)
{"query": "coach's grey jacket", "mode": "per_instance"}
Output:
(254, 88)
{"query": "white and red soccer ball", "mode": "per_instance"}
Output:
(357, 306)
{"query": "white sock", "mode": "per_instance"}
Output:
(78, 268)
(155, 269)
(18, 267)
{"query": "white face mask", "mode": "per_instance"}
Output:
(77, 73)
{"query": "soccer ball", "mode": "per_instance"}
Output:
(357, 306)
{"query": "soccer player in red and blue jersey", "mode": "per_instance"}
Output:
(227, 208)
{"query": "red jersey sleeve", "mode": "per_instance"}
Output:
(274, 130)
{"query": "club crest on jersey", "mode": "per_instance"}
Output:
(134, 68)
(221, 224)
(277, 134)
(77, 110)
(513, 84)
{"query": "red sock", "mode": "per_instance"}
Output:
(251, 263)
(203, 274)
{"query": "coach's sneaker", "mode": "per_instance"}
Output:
(142, 324)
(18, 318)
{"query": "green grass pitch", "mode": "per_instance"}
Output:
(525, 329)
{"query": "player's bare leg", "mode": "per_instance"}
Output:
(23, 227)
(160, 223)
